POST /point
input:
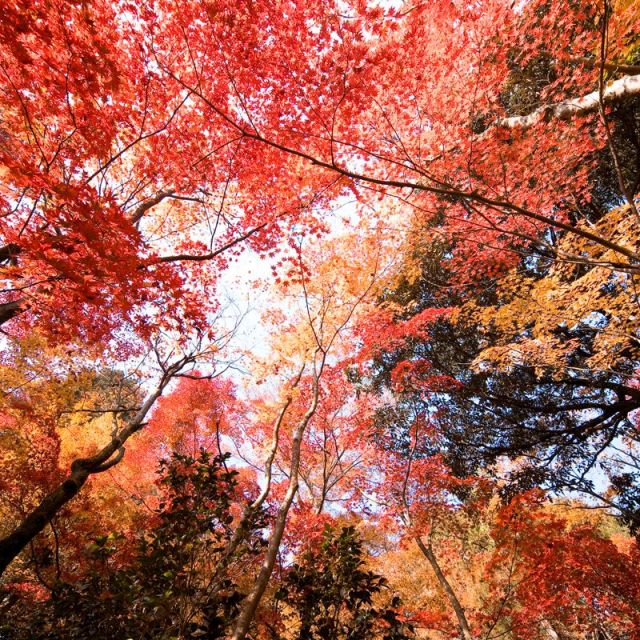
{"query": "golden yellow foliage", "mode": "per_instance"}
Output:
(529, 324)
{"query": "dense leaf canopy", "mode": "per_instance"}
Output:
(319, 319)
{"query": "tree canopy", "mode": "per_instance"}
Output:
(319, 319)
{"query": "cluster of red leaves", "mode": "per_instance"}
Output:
(570, 574)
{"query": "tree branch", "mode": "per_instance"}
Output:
(81, 469)
(567, 109)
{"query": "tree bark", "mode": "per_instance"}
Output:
(620, 89)
(9, 310)
(242, 528)
(262, 580)
(37, 520)
(9, 252)
(80, 471)
(149, 204)
(463, 623)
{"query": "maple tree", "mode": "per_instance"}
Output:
(195, 101)
(516, 583)
(444, 194)
(575, 597)
(540, 367)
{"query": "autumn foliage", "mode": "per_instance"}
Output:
(319, 319)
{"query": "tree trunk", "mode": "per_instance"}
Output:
(81, 469)
(37, 520)
(463, 623)
(9, 310)
(253, 599)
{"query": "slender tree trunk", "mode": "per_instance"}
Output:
(262, 580)
(463, 623)
(253, 599)
(80, 471)
(251, 509)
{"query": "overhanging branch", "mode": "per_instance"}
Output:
(567, 109)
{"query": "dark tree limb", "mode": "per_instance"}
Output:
(9, 310)
(149, 204)
(80, 471)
